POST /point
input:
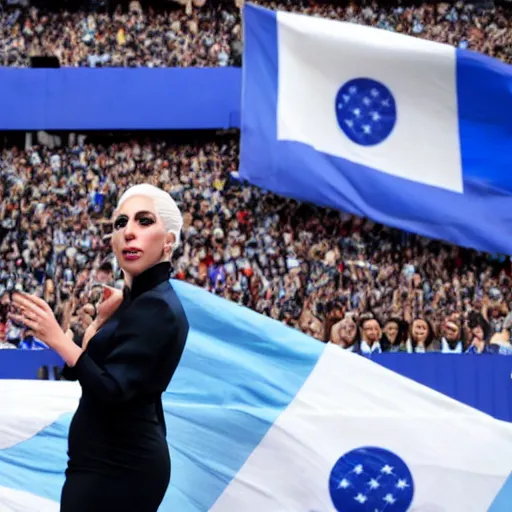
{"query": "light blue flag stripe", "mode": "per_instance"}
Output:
(238, 373)
(503, 501)
(480, 217)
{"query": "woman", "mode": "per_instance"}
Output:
(392, 336)
(118, 455)
(421, 338)
(478, 339)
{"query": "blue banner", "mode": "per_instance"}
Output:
(28, 364)
(483, 382)
(120, 98)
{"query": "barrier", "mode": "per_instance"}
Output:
(483, 382)
(25, 364)
(120, 98)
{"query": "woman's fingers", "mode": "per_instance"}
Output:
(23, 319)
(22, 301)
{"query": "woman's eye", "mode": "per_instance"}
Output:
(120, 223)
(146, 221)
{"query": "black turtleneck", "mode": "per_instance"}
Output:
(148, 279)
(138, 348)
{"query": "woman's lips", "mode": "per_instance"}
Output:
(132, 254)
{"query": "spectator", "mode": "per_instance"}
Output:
(421, 338)
(370, 336)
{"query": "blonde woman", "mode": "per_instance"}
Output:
(118, 454)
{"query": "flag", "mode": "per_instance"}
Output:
(408, 132)
(261, 417)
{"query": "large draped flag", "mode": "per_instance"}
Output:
(408, 132)
(263, 418)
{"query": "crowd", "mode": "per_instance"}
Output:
(339, 278)
(211, 35)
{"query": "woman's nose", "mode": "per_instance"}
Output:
(129, 231)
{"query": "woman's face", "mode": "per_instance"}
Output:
(478, 332)
(139, 237)
(420, 331)
(391, 331)
(348, 331)
(371, 331)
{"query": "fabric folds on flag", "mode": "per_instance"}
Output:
(260, 417)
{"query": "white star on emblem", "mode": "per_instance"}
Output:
(387, 469)
(366, 100)
(358, 469)
(389, 498)
(402, 484)
(352, 89)
(374, 484)
(349, 123)
(385, 103)
(356, 112)
(344, 484)
(346, 98)
(374, 93)
(375, 116)
(367, 129)
(361, 498)
(340, 105)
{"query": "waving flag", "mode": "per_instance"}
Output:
(263, 418)
(408, 132)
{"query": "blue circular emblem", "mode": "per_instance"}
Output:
(366, 111)
(371, 479)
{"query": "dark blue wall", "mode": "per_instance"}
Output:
(119, 98)
(483, 382)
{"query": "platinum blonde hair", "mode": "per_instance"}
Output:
(166, 207)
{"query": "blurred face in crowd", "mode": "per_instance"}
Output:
(391, 331)
(419, 331)
(451, 331)
(104, 276)
(348, 331)
(139, 239)
(478, 332)
(371, 331)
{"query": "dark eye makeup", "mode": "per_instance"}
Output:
(120, 222)
(143, 218)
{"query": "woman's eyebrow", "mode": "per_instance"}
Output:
(144, 212)
(138, 214)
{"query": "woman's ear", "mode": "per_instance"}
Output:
(170, 240)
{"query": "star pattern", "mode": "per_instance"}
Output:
(371, 480)
(366, 111)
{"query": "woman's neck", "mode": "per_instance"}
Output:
(128, 280)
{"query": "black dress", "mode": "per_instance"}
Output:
(118, 454)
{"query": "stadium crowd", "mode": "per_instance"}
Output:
(337, 277)
(210, 35)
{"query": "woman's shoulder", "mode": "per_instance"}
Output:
(160, 304)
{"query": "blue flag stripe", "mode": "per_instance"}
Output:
(485, 123)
